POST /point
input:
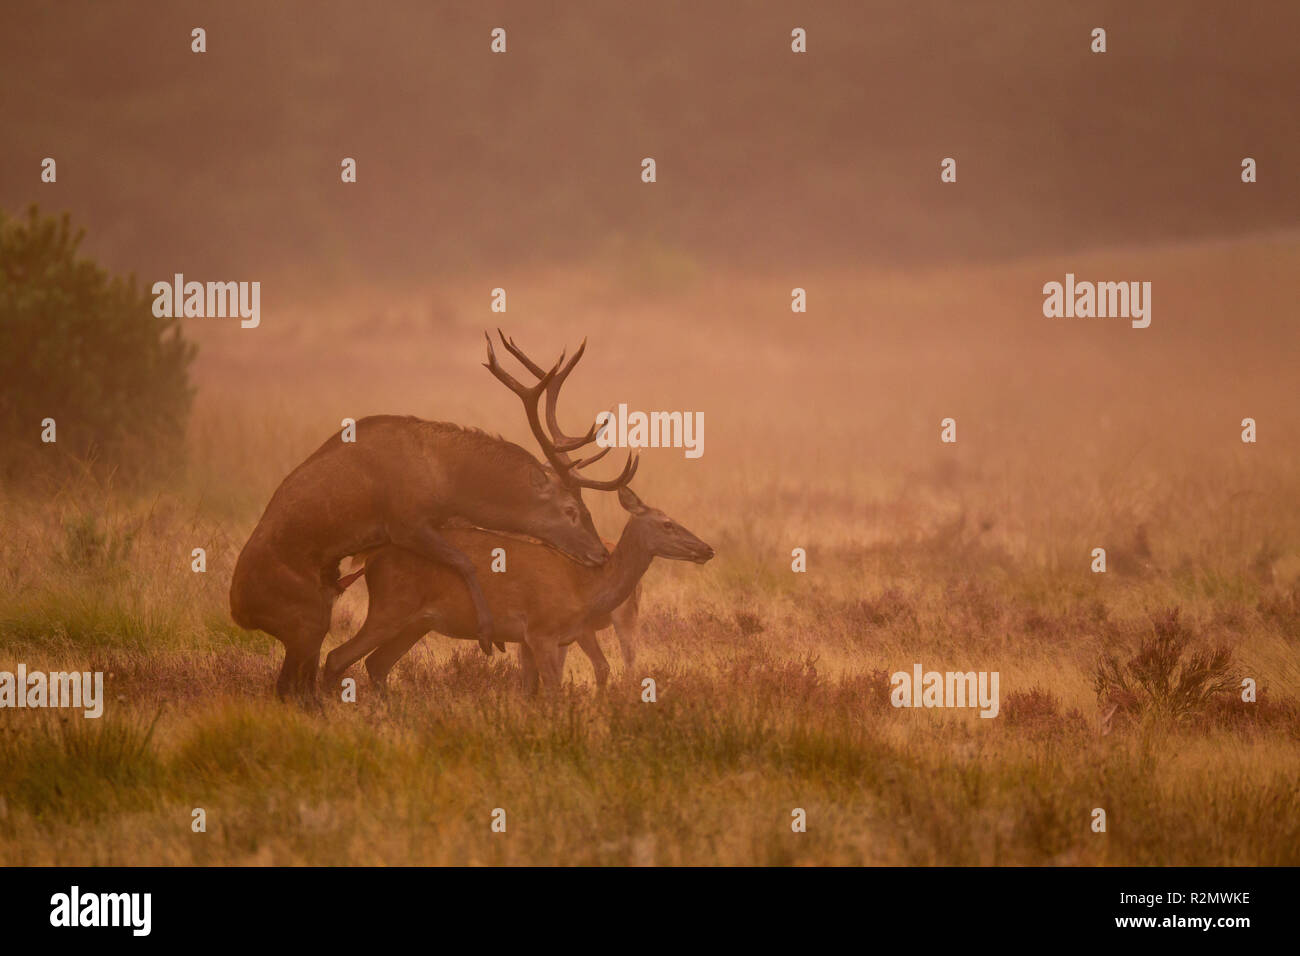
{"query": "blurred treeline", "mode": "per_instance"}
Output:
(226, 164)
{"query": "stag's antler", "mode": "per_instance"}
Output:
(562, 441)
(629, 470)
(557, 445)
(530, 397)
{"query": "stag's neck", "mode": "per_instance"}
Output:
(618, 576)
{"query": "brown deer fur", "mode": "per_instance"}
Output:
(543, 600)
(397, 484)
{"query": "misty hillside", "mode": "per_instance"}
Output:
(227, 163)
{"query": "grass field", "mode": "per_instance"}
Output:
(822, 433)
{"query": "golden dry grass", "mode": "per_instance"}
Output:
(822, 432)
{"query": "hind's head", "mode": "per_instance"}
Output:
(663, 536)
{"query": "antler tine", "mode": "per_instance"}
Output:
(566, 442)
(633, 460)
(557, 444)
(508, 380)
(518, 353)
(530, 397)
(583, 463)
(562, 442)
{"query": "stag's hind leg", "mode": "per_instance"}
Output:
(292, 607)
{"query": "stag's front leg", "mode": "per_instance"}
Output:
(428, 541)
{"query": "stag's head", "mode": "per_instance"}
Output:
(558, 515)
(660, 534)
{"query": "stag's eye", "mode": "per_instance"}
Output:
(572, 514)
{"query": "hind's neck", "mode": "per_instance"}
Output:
(614, 581)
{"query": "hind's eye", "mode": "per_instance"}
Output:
(668, 524)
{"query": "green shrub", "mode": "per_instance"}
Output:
(86, 350)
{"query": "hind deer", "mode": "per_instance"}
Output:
(627, 630)
(401, 483)
(543, 601)
(624, 619)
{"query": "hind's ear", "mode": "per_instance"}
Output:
(630, 502)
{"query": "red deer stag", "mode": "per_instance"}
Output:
(400, 483)
(542, 601)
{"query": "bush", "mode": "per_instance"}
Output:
(1166, 675)
(86, 350)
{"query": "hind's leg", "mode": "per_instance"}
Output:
(428, 541)
(591, 647)
(392, 648)
(379, 629)
(626, 628)
(550, 664)
(528, 664)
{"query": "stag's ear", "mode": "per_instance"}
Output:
(540, 480)
(630, 502)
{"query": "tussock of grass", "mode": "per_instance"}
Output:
(1166, 676)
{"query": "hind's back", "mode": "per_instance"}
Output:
(532, 583)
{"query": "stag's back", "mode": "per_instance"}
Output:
(339, 500)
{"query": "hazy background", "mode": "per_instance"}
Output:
(775, 170)
(226, 164)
